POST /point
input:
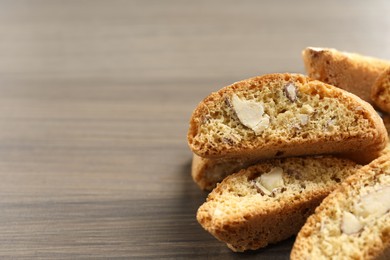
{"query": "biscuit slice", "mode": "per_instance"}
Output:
(380, 91)
(350, 71)
(270, 201)
(284, 115)
(353, 222)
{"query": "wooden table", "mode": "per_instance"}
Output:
(95, 98)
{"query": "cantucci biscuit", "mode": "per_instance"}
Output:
(353, 222)
(380, 91)
(270, 201)
(282, 115)
(350, 71)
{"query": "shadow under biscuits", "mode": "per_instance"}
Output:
(185, 238)
(278, 251)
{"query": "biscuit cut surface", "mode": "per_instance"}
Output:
(353, 222)
(270, 201)
(380, 92)
(283, 115)
(350, 71)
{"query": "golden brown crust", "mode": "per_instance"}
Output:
(352, 72)
(386, 121)
(380, 91)
(259, 147)
(238, 215)
(206, 173)
(376, 242)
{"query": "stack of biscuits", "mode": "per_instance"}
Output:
(287, 154)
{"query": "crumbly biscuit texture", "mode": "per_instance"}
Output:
(353, 222)
(270, 201)
(282, 115)
(350, 71)
(380, 91)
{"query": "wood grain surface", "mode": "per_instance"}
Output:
(95, 98)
